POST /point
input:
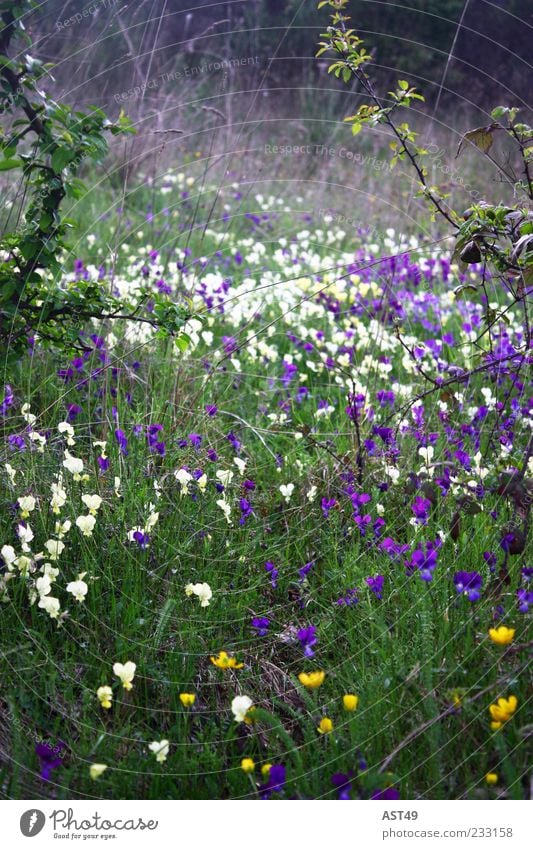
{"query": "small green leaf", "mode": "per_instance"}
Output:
(8, 164)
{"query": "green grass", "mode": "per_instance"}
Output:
(405, 656)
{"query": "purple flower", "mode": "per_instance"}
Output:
(350, 599)
(342, 783)
(308, 638)
(141, 539)
(249, 485)
(385, 397)
(392, 548)
(275, 783)
(376, 585)
(358, 499)
(304, 570)
(7, 402)
(73, 410)
(389, 794)
(468, 583)
(103, 463)
(16, 442)
(261, 625)
(234, 441)
(211, 409)
(525, 599)
(273, 572)
(195, 439)
(230, 344)
(421, 507)
(363, 522)
(120, 436)
(246, 510)
(50, 757)
(327, 505)
(424, 560)
(355, 406)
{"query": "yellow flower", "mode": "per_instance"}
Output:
(350, 702)
(502, 711)
(265, 769)
(224, 661)
(247, 765)
(502, 635)
(96, 770)
(187, 699)
(105, 695)
(325, 726)
(311, 680)
(491, 778)
(249, 719)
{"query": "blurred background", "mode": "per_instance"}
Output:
(214, 86)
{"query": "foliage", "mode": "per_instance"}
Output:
(47, 144)
(500, 237)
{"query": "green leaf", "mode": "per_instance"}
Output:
(481, 138)
(8, 164)
(60, 158)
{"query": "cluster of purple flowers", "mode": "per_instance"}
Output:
(468, 584)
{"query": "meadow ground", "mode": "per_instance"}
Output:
(270, 489)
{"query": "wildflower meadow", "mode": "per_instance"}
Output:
(266, 456)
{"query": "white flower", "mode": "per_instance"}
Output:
(9, 555)
(92, 502)
(183, 477)
(427, 454)
(25, 535)
(203, 591)
(226, 509)
(240, 707)
(48, 570)
(62, 528)
(50, 604)
(287, 490)
(79, 589)
(38, 439)
(225, 477)
(26, 504)
(59, 497)
(65, 427)
(125, 671)
(160, 749)
(116, 486)
(54, 548)
(23, 564)
(96, 770)
(26, 415)
(311, 493)
(202, 482)
(43, 585)
(151, 521)
(73, 465)
(241, 465)
(393, 473)
(10, 471)
(86, 524)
